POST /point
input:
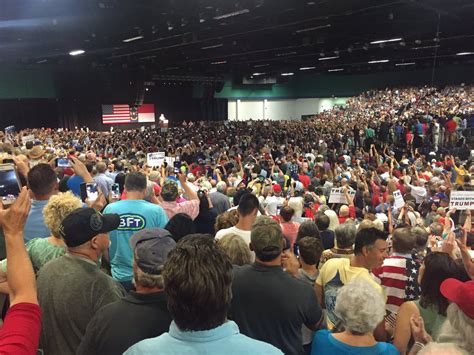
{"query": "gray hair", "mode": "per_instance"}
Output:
(221, 187)
(147, 280)
(345, 234)
(360, 306)
(442, 348)
(323, 208)
(436, 228)
(149, 191)
(462, 326)
(236, 249)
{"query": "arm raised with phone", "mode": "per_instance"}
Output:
(21, 328)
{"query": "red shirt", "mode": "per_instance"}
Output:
(450, 126)
(305, 180)
(352, 214)
(21, 330)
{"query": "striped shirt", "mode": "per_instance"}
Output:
(399, 277)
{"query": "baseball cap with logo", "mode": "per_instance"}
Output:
(151, 247)
(461, 293)
(266, 238)
(83, 224)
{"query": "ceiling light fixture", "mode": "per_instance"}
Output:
(333, 70)
(309, 29)
(232, 14)
(464, 53)
(284, 54)
(287, 74)
(307, 68)
(132, 39)
(76, 52)
(387, 40)
(260, 65)
(214, 46)
(403, 64)
(220, 62)
(258, 74)
(328, 58)
(378, 61)
(426, 47)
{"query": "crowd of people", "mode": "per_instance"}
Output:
(330, 235)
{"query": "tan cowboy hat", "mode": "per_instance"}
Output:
(36, 152)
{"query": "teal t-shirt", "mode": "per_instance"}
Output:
(135, 215)
(324, 343)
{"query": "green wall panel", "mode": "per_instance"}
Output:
(343, 85)
(27, 84)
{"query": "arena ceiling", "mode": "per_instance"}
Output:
(240, 37)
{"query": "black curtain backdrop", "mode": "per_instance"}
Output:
(176, 104)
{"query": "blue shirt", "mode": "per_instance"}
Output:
(324, 343)
(135, 215)
(104, 183)
(225, 339)
(34, 226)
(74, 184)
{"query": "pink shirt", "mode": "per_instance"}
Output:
(191, 208)
(290, 230)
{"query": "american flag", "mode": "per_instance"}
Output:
(399, 278)
(115, 114)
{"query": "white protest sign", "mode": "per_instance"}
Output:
(155, 159)
(462, 200)
(29, 138)
(337, 195)
(169, 160)
(399, 201)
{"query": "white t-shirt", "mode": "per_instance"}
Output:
(272, 202)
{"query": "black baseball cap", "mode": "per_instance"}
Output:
(151, 247)
(83, 224)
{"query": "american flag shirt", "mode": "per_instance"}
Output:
(399, 277)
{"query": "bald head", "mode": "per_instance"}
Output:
(344, 211)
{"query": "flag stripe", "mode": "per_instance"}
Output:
(117, 113)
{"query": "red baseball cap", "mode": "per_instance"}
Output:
(461, 293)
(276, 188)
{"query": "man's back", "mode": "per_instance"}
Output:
(221, 340)
(34, 226)
(71, 290)
(334, 274)
(104, 183)
(272, 204)
(220, 201)
(270, 305)
(398, 276)
(135, 215)
(234, 230)
(120, 324)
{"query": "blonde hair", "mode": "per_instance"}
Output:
(58, 207)
(236, 249)
(366, 223)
